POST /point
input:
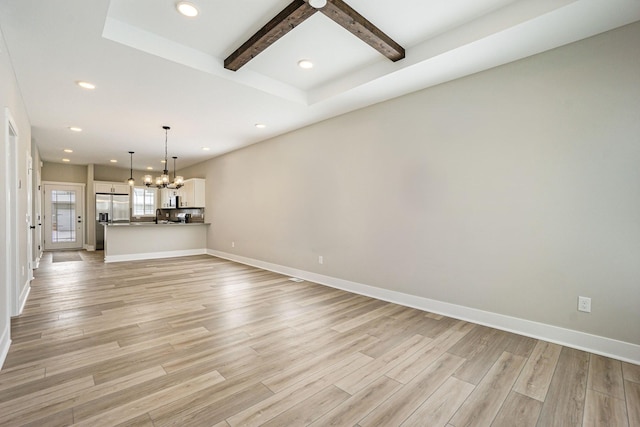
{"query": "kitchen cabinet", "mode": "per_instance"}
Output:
(192, 194)
(110, 187)
(168, 197)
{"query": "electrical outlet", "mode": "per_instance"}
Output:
(584, 304)
(320, 260)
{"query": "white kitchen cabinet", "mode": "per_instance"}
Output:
(192, 194)
(167, 198)
(110, 187)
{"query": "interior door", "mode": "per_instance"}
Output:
(37, 220)
(31, 228)
(63, 216)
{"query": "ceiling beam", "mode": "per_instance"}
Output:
(296, 13)
(358, 25)
(290, 17)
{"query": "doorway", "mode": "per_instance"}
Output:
(63, 216)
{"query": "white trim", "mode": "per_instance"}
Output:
(604, 346)
(5, 343)
(154, 255)
(42, 184)
(23, 297)
(89, 248)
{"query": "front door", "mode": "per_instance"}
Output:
(63, 216)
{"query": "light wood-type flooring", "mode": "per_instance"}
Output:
(201, 341)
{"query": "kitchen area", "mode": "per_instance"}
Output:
(136, 223)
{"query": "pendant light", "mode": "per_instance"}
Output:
(131, 181)
(178, 181)
(162, 181)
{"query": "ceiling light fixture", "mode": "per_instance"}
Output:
(261, 125)
(317, 4)
(66, 160)
(68, 150)
(178, 181)
(305, 64)
(206, 148)
(149, 168)
(86, 85)
(131, 181)
(187, 9)
(113, 161)
(163, 180)
(75, 129)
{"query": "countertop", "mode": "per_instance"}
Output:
(153, 224)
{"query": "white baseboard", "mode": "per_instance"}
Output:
(89, 248)
(154, 255)
(604, 346)
(5, 343)
(23, 297)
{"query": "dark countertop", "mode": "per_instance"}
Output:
(153, 224)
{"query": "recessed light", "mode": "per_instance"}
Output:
(66, 160)
(317, 4)
(206, 148)
(75, 129)
(149, 168)
(187, 9)
(86, 85)
(261, 125)
(113, 161)
(68, 150)
(305, 64)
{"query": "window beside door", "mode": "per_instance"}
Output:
(63, 216)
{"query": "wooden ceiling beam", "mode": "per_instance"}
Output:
(358, 25)
(290, 17)
(296, 13)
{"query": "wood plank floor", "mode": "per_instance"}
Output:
(201, 341)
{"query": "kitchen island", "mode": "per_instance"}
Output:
(148, 240)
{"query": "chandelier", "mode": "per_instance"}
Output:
(162, 181)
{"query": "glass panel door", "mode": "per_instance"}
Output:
(63, 217)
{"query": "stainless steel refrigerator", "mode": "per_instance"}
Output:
(110, 208)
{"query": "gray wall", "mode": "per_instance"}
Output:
(10, 97)
(513, 191)
(110, 173)
(61, 172)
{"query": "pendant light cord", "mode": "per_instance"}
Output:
(131, 180)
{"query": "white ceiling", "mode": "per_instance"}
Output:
(154, 67)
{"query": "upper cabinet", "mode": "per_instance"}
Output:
(167, 198)
(192, 194)
(110, 187)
